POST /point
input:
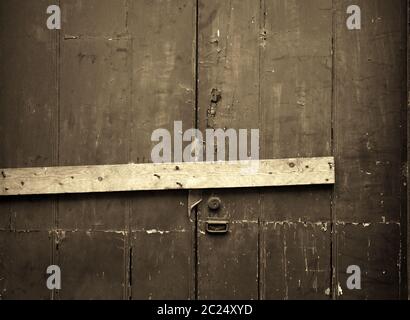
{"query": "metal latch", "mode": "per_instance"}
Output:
(217, 226)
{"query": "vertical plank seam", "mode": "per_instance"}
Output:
(333, 247)
(196, 63)
(128, 249)
(261, 257)
(196, 120)
(406, 294)
(403, 286)
(56, 152)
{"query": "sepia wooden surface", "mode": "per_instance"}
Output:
(28, 137)
(408, 149)
(272, 65)
(92, 93)
(369, 147)
(143, 177)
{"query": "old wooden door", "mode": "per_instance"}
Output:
(314, 88)
(94, 91)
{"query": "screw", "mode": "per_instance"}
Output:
(214, 203)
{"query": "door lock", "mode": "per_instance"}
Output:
(217, 226)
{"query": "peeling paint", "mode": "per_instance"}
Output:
(155, 231)
(339, 290)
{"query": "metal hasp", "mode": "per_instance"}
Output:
(217, 227)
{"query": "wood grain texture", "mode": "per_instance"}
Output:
(24, 258)
(374, 248)
(228, 64)
(89, 96)
(271, 63)
(28, 113)
(94, 110)
(28, 126)
(296, 102)
(163, 91)
(368, 130)
(288, 246)
(96, 271)
(162, 239)
(139, 177)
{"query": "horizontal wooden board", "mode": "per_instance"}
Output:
(138, 177)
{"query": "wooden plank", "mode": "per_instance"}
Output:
(162, 238)
(290, 245)
(228, 53)
(408, 151)
(163, 91)
(296, 107)
(28, 125)
(228, 264)
(93, 129)
(368, 122)
(161, 268)
(373, 247)
(24, 258)
(28, 113)
(92, 264)
(93, 122)
(139, 177)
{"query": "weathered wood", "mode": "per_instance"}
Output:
(139, 177)
(374, 248)
(91, 261)
(24, 257)
(272, 68)
(408, 150)
(368, 131)
(125, 68)
(28, 113)
(228, 53)
(162, 237)
(94, 129)
(228, 263)
(28, 125)
(163, 91)
(298, 252)
(296, 107)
